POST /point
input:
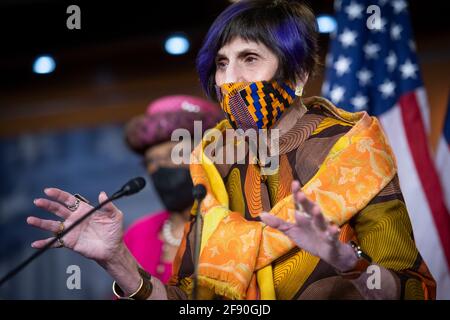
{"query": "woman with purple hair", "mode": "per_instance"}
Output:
(328, 222)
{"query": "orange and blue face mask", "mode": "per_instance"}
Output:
(256, 105)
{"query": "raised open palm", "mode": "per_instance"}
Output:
(312, 232)
(98, 237)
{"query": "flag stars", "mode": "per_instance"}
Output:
(391, 61)
(371, 50)
(354, 10)
(387, 88)
(408, 70)
(395, 31)
(399, 6)
(342, 65)
(348, 38)
(337, 94)
(359, 102)
(364, 76)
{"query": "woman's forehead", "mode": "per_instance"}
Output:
(238, 44)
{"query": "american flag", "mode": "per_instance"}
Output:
(372, 65)
(443, 156)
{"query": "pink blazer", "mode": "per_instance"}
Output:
(142, 240)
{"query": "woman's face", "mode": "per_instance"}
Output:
(245, 61)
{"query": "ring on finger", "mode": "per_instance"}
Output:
(74, 207)
(61, 228)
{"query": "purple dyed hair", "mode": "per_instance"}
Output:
(286, 27)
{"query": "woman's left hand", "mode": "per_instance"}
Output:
(313, 233)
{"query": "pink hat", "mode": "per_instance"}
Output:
(181, 103)
(167, 114)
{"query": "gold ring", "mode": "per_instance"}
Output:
(61, 228)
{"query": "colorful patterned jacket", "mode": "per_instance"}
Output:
(345, 164)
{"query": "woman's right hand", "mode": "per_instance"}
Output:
(98, 237)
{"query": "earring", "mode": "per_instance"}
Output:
(299, 90)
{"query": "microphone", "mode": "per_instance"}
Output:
(199, 193)
(131, 187)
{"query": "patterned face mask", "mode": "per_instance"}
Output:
(256, 105)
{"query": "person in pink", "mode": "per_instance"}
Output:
(154, 239)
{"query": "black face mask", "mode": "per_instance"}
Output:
(174, 187)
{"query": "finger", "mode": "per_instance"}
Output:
(333, 232)
(318, 219)
(47, 225)
(275, 222)
(295, 186)
(61, 196)
(109, 207)
(39, 244)
(304, 202)
(53, 207)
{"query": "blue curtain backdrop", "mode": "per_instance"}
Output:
(84, 161)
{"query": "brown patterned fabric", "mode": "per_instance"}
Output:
(331, 288)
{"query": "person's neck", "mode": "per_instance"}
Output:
(179, 218)
(283, 125)
(290, 117)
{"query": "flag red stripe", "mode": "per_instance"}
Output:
(418, 145)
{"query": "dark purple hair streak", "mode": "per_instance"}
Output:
(288, 28)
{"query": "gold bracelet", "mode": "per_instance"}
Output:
(142, 293)
(115, 285)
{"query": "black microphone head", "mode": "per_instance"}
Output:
(199, 192)
(133, 186)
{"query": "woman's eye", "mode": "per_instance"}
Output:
(221, 65)
(250, 59)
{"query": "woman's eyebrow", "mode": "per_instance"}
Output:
(220, 56)
(245, 52)
(241, 54)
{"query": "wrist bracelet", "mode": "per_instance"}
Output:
(143, 291)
